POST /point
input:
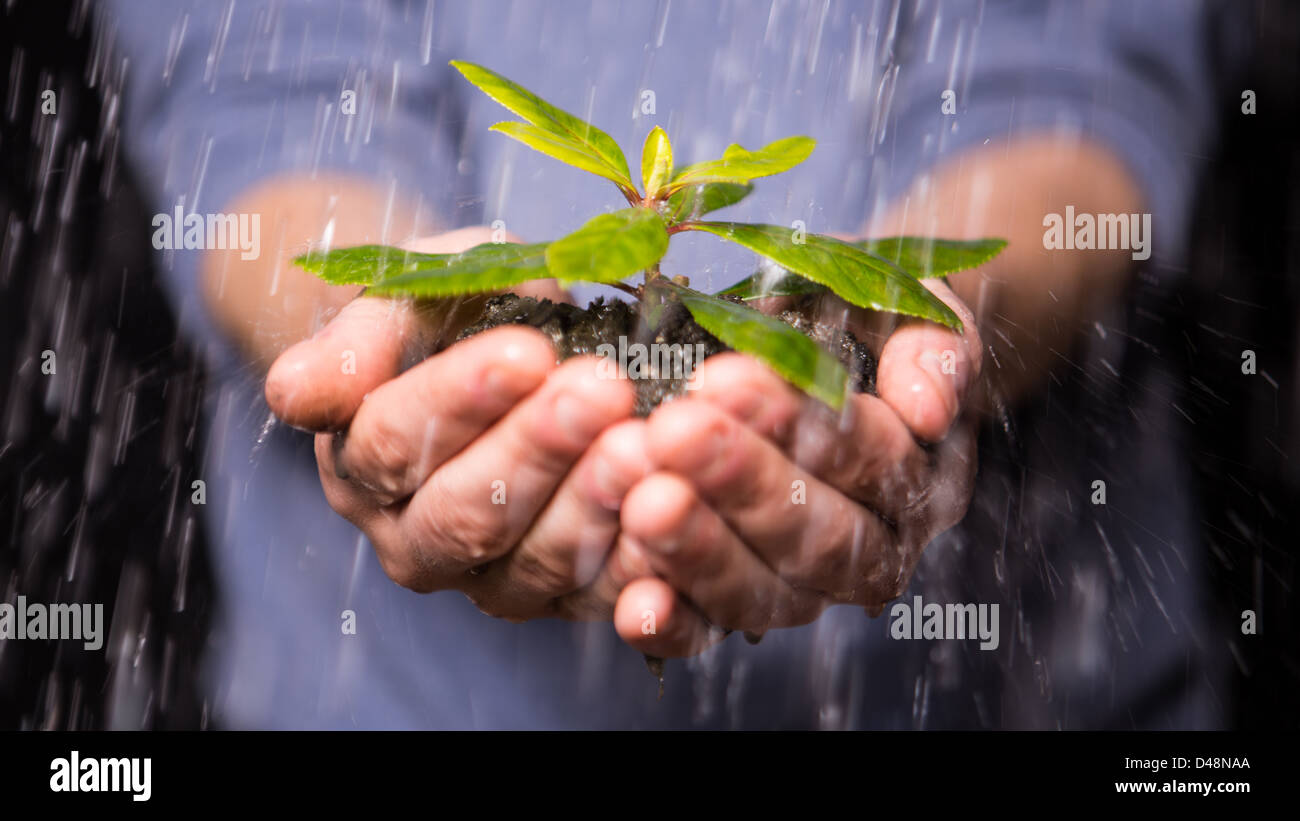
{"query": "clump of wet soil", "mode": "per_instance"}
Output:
(577, 331)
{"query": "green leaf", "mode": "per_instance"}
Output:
(565, 151)
(609, 247)
(797, 358)
(929, 257)
(695, 201)
(778, 283)
(578, 137)
(741, 165)
(487, 267)
(856, 276)
(918, 257)
(656, 161)
(359, 265)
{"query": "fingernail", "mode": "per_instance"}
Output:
(945, 384)
(498, 380)
(572, 415)
(749, 405)
(608, 487)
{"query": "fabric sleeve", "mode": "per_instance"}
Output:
(1133, 77)
(221, 95)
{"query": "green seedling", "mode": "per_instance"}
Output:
(881, 275)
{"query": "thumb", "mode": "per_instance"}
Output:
(926, 370)
(319, 383)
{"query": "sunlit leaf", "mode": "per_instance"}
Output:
(856, 276)
(565, 151)
(797, 358)
(695, 201)
(923, 257)
(741, 165)
(579, 136)
(656, 161)
(609, 247)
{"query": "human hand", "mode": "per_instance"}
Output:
(721, 522)
(485, 468)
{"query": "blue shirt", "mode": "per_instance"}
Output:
(221, 96)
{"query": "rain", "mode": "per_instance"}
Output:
(1119, 481)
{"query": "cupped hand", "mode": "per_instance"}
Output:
(485, 467)
(764, 507)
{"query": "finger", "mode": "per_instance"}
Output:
(690, 547)
(751, 393)
(381, 525)
(925, 370)
(568, 543)
(595, 602)
(409, 425)
(652, 618)
(318, 383)
(478, 504)
(810, 534)
(865, 451)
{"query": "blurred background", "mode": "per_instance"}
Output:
(96, 470)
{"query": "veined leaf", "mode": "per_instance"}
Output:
(580, 137)
(741, 165)
(797, 358)
(923, 257)
(609, 247)
(359, 265)
(856, 276)
(566, 151)
(656, 161)
(487, 267)
(695, 201)
(918, 257)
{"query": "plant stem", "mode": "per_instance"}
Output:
(625, 288)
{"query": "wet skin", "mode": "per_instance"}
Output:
(743, 506)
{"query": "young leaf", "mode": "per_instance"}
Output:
(579, 137)
(695, 201)
(797, 358)
(656, 161)
(565, 151)
(609, 247)
(856, 276)
(929, 257)
(486, 267)
(741, 165)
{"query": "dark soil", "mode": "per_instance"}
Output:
(575, 331)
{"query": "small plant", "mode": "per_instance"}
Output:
(879, 274)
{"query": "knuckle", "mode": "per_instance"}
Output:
(379, 452)
(400, 566)
(545, 572)
(467, 534)
(830, 568)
